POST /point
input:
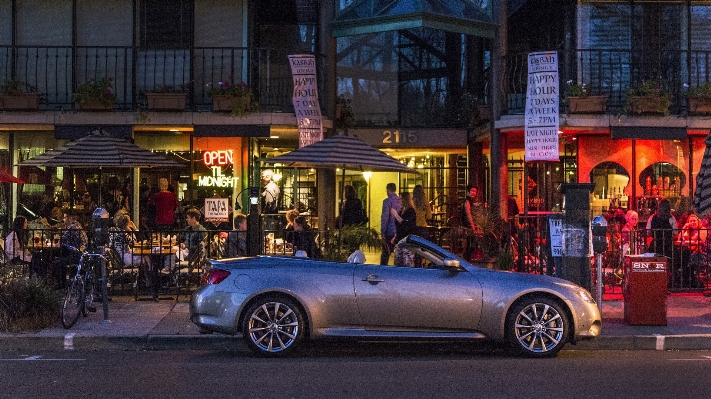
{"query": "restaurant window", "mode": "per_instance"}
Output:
(611, 180)
(166, 24)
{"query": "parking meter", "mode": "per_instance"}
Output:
(599, 233)
(599, 242)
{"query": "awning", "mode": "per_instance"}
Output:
(648, 133)
(231, 131)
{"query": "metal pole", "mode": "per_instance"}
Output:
(105, 290)
(598, 261)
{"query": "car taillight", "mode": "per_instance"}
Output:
(214, 276)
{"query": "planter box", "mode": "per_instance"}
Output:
(227, 104)
(92, 106)
(587, 105)
(166, 101)
(21, 102)
(647, 105)
(700, 105)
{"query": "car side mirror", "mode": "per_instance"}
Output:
(451, 263)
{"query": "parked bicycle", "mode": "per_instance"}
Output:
(80, 294)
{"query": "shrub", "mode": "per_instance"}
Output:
(28, 305)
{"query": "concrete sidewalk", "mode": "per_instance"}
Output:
(165, 325)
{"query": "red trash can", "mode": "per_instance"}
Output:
(645, 290)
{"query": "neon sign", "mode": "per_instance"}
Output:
(217, 179)
(221, 158)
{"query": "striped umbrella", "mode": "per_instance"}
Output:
(100, 150)
(341, 151)
(702, 193)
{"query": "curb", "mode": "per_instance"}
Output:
(232, 343)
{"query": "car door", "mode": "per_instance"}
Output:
(394, 298)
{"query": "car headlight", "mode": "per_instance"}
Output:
(586, 296)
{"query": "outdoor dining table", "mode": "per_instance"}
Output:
(157, 254)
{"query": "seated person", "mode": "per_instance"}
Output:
(304, 239)
(236, 245)
(693, 234)
(122, 240)
(16, 246)
(291, 215)
(74, 236)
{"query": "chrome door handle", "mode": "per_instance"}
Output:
(373, 279)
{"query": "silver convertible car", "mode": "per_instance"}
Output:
(279, 302)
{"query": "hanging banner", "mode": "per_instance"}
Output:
(541, 121)
(305, 98)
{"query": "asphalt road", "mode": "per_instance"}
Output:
(360, 370)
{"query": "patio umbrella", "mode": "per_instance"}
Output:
(702, 193)
(99, 150)
(7, 177)
(342, 151)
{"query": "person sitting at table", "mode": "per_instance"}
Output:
(122, 240)
(236, 245)
(628, 234)
(193, 239)
(74, 236)
(16, 246)
(693, 249)
(304, 239)
(291, 216)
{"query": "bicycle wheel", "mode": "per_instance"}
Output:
(73, 303)
(88, 296)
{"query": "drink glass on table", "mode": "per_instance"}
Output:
(37, 240)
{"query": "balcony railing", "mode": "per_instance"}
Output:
(611, 72)
(56, 71)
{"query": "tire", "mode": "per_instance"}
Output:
(88, 297)
(537, 327)
(273, 326)
(73, 303)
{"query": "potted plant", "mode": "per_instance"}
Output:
(352, 238)
(580, 100)
(699, 98)
(227, 96)
(167, 97)
(473, 112)
(13, 97)
(95, 95)
(650, 96)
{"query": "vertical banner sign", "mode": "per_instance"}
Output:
(541, 123)
(305, 98)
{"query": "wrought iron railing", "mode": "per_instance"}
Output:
(57, 70)
(611, 73)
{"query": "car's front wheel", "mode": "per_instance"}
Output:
(537, 327)
(273, 326)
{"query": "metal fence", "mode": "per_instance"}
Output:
(56, 71)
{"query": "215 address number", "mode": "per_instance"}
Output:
(399, 138)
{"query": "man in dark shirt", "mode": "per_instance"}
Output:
(194, 235)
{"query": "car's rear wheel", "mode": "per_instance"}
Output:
(273, 326)
(537, 327)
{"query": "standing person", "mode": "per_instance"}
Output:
(387, 222)
(352, 212)
(662, 227)
(236, 245)
(405, 223)
(166, 203)
(304, 239)
(74, 236)
(270, 195)
(422, 211)
(469, 210)
(194, 236)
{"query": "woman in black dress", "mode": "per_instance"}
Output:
(405, 222)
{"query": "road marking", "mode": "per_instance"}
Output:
(40, 358)
(69, 341)
(660, 342)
